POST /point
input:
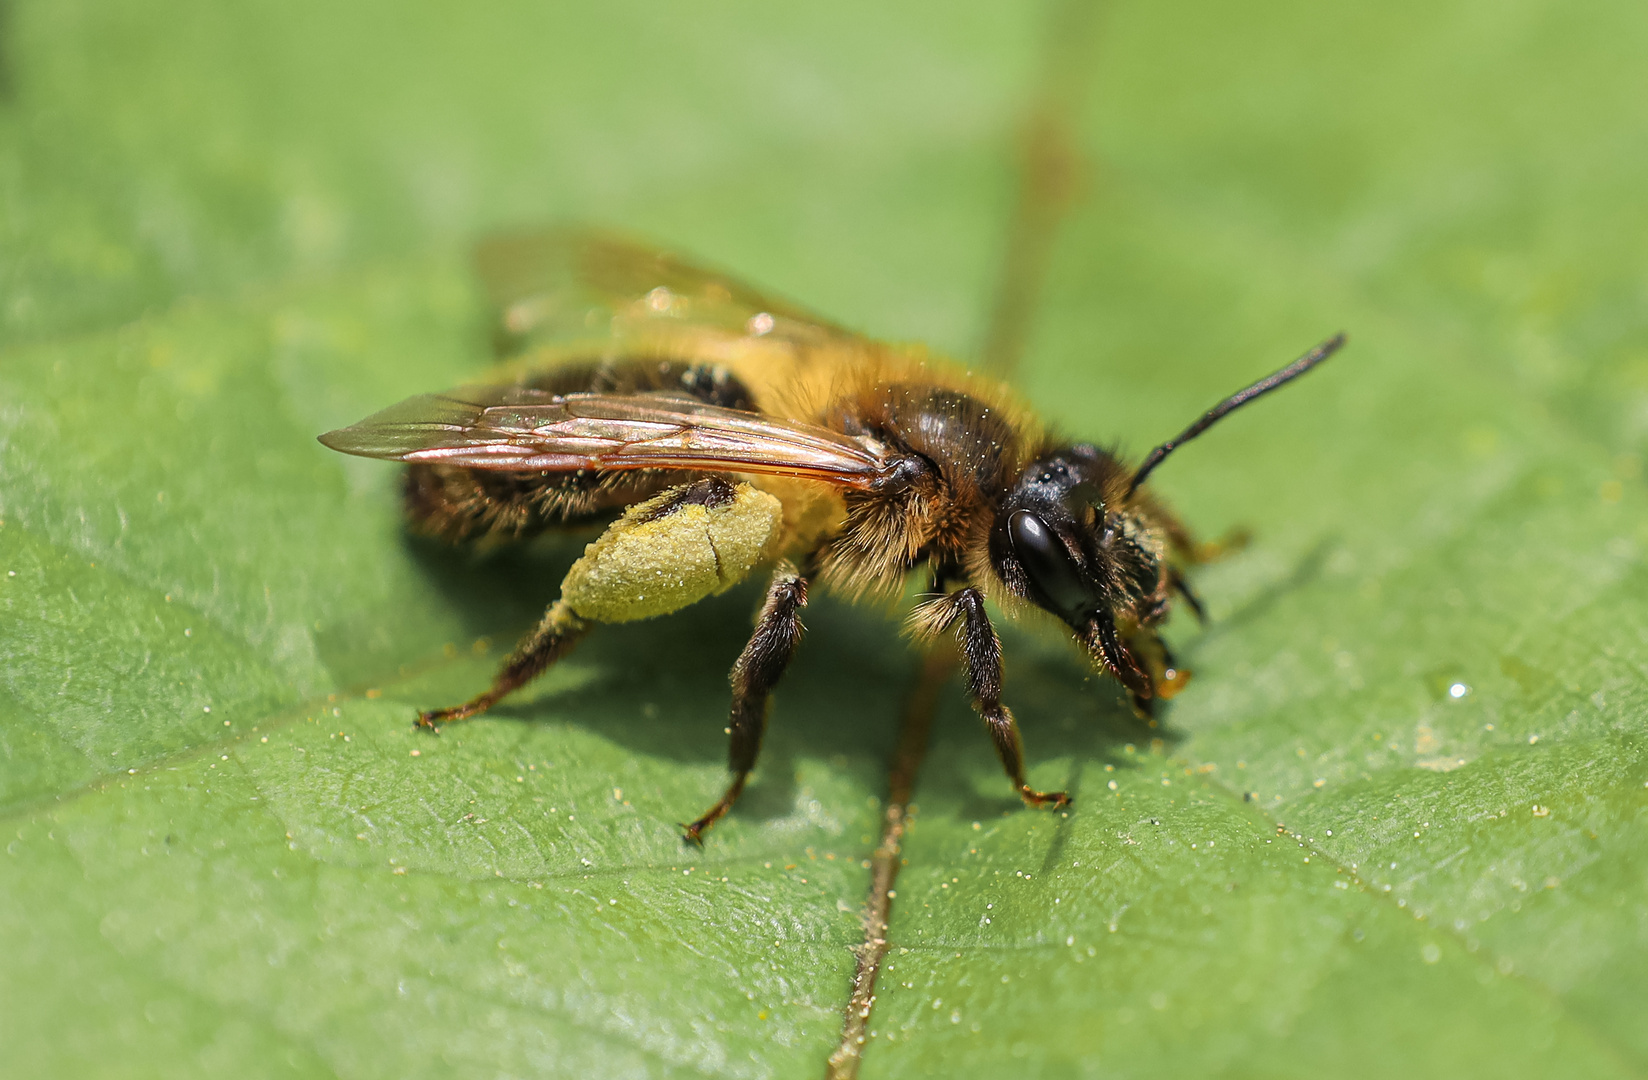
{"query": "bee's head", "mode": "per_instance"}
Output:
(1074, 537)
(1069, 539)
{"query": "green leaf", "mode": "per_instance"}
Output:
(1394, 826)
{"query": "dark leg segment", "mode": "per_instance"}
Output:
(981, 652)
(553, 639)
(1106, 644)
(1177, 583)
(759, 667)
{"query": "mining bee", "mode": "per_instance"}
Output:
(726, 432)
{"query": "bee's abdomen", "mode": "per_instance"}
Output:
(462, 505)
(712, 384)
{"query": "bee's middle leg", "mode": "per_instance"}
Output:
(759, 667)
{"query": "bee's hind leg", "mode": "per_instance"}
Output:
(759, 667)
(554, 637)
(692, 541)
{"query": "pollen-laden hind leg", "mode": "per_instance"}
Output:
(692, 541)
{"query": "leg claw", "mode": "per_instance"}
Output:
(1058, 799)
(431, 719)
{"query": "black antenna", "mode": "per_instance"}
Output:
(1234, 402)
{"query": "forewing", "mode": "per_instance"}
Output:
(513, 428)
(567, 285)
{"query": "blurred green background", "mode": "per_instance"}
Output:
(1395, 826)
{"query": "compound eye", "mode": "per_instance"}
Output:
(1048, 565)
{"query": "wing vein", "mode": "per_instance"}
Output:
(515, 428)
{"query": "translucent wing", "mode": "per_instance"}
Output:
(515, 428)
(567, 285)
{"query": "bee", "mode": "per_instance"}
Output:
(719, 432)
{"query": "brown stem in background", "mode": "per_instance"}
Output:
(919, 707)
(1051, 176)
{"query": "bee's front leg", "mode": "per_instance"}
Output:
(981, 655)
(759, 667)
(1167, 676)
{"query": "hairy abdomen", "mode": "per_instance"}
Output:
(461, 505)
